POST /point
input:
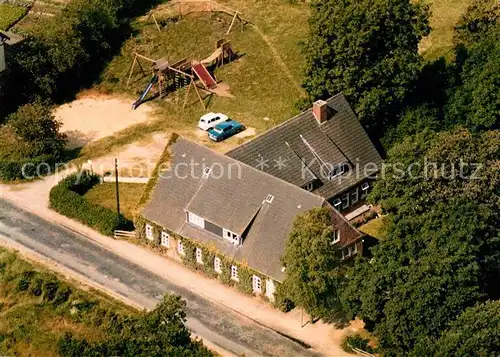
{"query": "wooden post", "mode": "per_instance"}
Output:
(117, 188)
(131, 70)
(232, 23)
(156, 23)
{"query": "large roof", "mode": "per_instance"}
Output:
(304, 147)
(233, 196)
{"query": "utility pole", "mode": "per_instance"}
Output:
(117, 189)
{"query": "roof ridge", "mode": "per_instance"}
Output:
(297, 188)
(281, 124)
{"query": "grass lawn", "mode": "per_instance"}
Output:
(374, 228)
(10, 14)
(31, 323)
(444, 16)
(105, 195)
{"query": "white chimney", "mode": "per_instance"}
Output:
(320, 111)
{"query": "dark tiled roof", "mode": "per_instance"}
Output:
(302, 140)
(235, 202)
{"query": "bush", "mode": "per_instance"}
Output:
(25, 280)
(13, 170)
(356, 341)
(281, 299)
(67, 199)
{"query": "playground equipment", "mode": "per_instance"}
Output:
(181, 74)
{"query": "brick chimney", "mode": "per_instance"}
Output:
(320, 111)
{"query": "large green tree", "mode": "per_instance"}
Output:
(476, 332)
(367, 49)
(428, 168)
(426, 271)
(313, 278)
(37, 131)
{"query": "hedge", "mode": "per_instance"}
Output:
(67, 199)
(245, 273)
(12, 170)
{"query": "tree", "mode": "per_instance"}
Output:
(368, 50)
(427, 270)
(37, 130)
(161, 332)
(430, 168)
(313, 280)
(476, 332)
(475, 98)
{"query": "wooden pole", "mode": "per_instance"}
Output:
(187, 93)
(156, 23)
(117, 188)
(232, 23)
(131, 70)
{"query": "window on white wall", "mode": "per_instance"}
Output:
(256, 284)
(180, 247)
(234, 272)
(218, 265)
(196, 220)
(149, 232)
(199, 256)
(165, 239)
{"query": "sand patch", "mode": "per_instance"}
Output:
(88, 119)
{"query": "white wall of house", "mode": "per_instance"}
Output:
(270, 289)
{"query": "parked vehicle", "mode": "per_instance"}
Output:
(210, 120)
(225, 130)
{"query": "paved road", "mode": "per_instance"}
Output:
(212, 322)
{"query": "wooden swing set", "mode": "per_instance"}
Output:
(170, 77)
(174, 77)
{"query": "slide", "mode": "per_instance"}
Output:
(203, 74)
(145, 93)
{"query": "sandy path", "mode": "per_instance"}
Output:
(93, 118)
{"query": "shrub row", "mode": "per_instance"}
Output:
(12, 170)
(67, 199)
(245, 273)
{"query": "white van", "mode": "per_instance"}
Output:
(210, 120)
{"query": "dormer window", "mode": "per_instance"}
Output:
(232, 237)
(336, 203)
(338, 170)
(309, 186)
(364, 189)
(269, 198)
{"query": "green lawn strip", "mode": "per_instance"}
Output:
(9, 15)
(105, 195)
(374, 228)
(444, 16)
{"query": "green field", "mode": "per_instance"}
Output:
(9, 15)
(37, 309)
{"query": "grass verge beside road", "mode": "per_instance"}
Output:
(37, 309)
